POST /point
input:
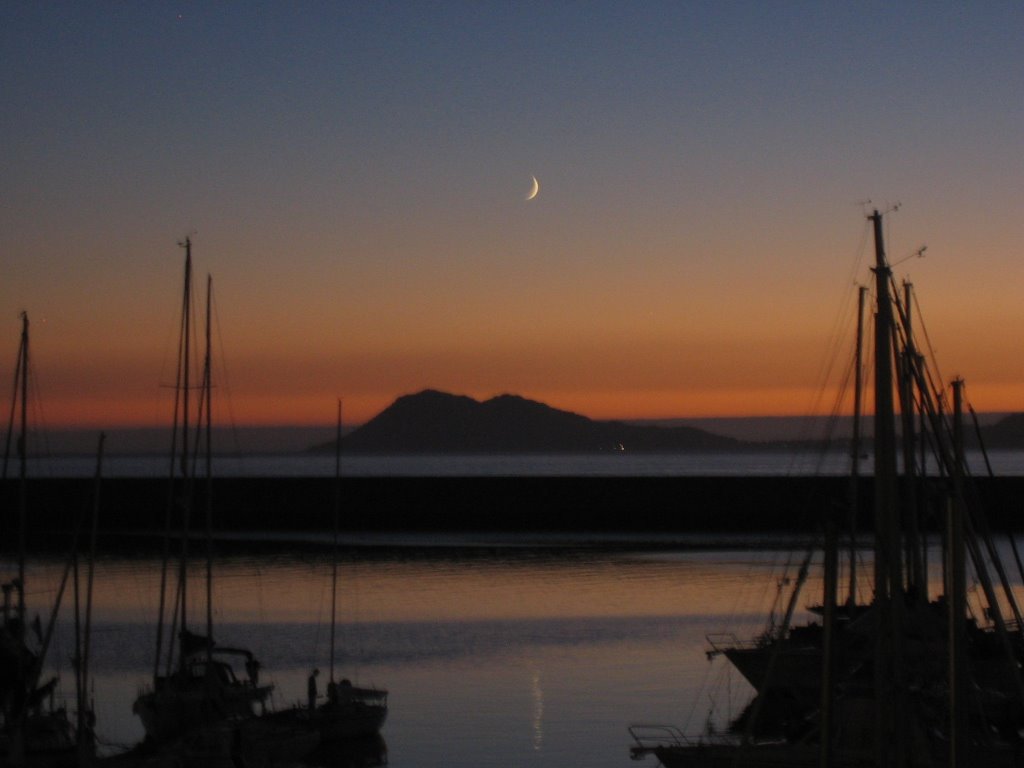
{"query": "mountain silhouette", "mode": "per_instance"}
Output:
(439, 422)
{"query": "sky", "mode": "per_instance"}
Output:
(353, 176)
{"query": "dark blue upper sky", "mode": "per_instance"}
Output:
(354, 174)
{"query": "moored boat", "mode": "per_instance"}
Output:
(351, 711)
(205, 698)
(348, 711)
(910, 678)
(35, 732)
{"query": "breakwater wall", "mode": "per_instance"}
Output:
(470, 504)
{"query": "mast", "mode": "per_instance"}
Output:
(334, 553)
(917, 583)
(828, 644)
(957, 596)
(84, 728)
(16, 711)
(858, 407)
(22, 471)
(888, 567)
(186, 471)
(207, 400)
(179, 419)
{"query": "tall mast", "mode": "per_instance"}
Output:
(888, 569)
(185, 469)
(85, 734)
(831, 589)
(858, 407)
(334, 553)
(916, 580)
(180, 417)
(888, 566)
(956, 594)
(207, 400)
(22, 470)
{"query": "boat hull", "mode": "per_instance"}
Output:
(351, 712)
(340, 724)
(180, 704)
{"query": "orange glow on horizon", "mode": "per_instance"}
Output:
(695, 250)
(318, 410)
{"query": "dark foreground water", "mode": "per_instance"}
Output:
(512, 656)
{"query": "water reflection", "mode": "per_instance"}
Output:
(443, 588)
(538, 710)
(501, 658)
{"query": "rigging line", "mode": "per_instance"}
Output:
(832, 425)
(830, 430)
(51, 626)
(198, 435)
(172, 341)
(862, 249)
(763, 574)
(759, 578)
(758, 702)
(226, 386)
(723, 679)
(840, 322)
(986, 531)
(320, 611)
(927, 379)
(38, 418)
(932, 357)
(14, 406)
(703, 687)
(863, 374)
(828, 439)
(172, 496)
(988, 465)
(825, 373)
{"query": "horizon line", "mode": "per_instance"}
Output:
(354, 425)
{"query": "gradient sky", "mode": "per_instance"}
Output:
(353, 175)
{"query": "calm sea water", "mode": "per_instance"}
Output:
(521, 657)
(530, 658)
(623, 464)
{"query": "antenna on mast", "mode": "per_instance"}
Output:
(918, 254)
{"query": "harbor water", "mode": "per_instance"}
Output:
(496, 652)
(493, 655)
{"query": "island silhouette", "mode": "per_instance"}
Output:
(432, 421)
(439, 422)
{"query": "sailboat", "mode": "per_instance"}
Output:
(205, 700)
(33, 731)
(349, 711)
(908, 678)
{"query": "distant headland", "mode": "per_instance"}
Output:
(439, 422)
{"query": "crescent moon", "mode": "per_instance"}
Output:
(536, 188)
